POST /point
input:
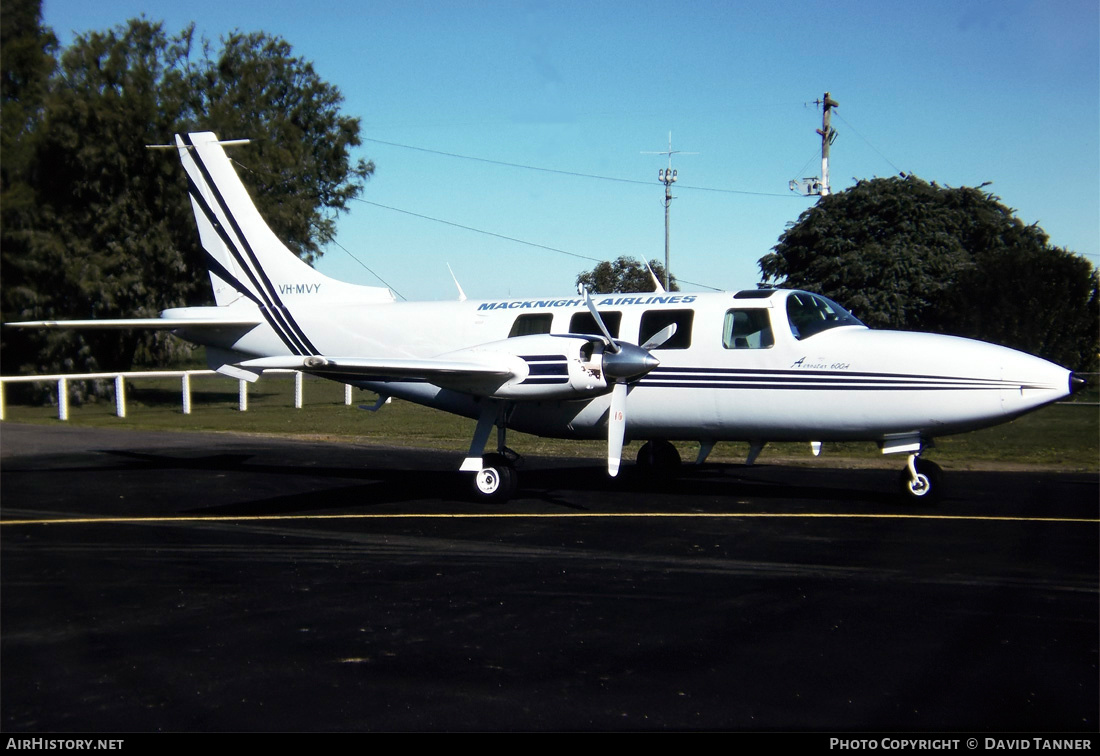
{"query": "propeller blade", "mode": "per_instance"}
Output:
(596, 316)
(616, 428)
(660, 337)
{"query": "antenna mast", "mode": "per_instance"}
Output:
(667, 176)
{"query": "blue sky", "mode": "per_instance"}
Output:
(1005, 91)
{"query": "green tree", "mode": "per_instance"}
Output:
(1045, 301)
(299, 166)
(907, 254)
(26, 63)
(114, 232)
(110, 231)
(626, 275)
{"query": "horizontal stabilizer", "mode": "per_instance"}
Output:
(232, 371)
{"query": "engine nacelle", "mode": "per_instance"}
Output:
(546, 366)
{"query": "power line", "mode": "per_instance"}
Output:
(802, 171)
(505, 238)
(575, 174)
(353, 257)
(506, 164)
(876, 149)
(466, 228)
(477, 230)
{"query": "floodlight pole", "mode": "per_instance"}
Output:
(667, 176)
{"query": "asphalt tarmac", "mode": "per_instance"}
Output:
(206, 582)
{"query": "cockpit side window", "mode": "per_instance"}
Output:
(811, 314)
(747, 329)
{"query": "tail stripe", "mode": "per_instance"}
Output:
(281, 328)
(238, 245)
(220, 271)
(241, 249)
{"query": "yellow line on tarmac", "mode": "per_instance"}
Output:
(524, 515)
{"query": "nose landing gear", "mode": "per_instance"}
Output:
(921, 480)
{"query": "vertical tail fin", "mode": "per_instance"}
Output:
(245, 256)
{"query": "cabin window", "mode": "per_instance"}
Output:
(810, 314)
(584, 323)
(747, 329)
(654, 320)
(531, 323)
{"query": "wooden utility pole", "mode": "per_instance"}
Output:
(828, 135)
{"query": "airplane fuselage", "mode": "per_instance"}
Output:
(739, 367)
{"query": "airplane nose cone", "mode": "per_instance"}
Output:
(1031, 382)
(1076, 383)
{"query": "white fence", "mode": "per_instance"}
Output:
(120, 379)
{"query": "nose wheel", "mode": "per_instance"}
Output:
(921, 480)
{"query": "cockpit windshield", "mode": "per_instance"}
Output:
(811, 314)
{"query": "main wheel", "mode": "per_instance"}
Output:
(659, 459)
(497, 481)
(928, 487)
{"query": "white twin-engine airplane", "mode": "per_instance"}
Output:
(759, 365)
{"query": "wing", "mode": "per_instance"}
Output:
(171, 320)
(153, 323)
(460, 375)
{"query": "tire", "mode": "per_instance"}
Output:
(497, 481)
(659, 460)
(928, 488)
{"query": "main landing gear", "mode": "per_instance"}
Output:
(494, 475)
(497, 481)
(658, 460)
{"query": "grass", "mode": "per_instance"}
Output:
(1062, 436)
